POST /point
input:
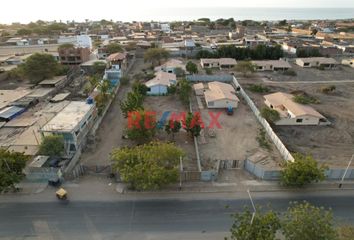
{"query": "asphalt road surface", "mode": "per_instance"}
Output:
(169, 218)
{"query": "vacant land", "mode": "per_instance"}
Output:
(235, 140)
(161, 104)
(312, 74)
(109, 134)
(332, 145)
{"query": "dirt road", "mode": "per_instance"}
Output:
(109, 134)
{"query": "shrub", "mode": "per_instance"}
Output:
(262, 140)
(328, 89)
(305, 99)
(270, 115)
(258, 88)
(290, 72)
(208, 71)
(302, 171)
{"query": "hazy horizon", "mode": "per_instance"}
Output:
(67, 10)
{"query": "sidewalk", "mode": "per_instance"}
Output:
(243, 186)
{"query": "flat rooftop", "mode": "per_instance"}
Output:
(67, 119)
(9, 96)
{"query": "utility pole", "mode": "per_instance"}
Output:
(345, 172)
(180, 173)
(254, 208)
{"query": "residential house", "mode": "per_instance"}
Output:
(222, 63)
(159, 84)
(82, 41)
(327, 63)
(73, 122)
(171, 65)
(119, 59)
(292, 113)
(71, 55)
(220, 95)
(271, 65)
(113, 74)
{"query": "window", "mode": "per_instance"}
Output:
(306, 64)
(299, 120)
(211, 104)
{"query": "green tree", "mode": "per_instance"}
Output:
(11, 168)
(173, 127)
(179, 72)
(193, 124)
(307, 222)
(99, 67)
(191, 67)
(133, 102)
(263, 227)
(302, 171)
(52, 145)
(148, 166)
(184, 90)
(125, 80)
(24, 32)
(270, 115)
(245, 67)
(114, 48)
(141, 126)
(155, 55)
(140, 88)
(40, 66)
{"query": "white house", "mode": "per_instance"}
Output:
(165, 27)
(327, 63)
(220, 95)
(78, 40)
(159, 84)
(292, 113)
(171, 65)
(73, 122)
(271, 65)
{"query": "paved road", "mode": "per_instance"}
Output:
(197, 217)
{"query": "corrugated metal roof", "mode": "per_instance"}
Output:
(11, 112)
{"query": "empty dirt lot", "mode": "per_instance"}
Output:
(235, 140)
(312, 74)
(160, 104)
(332, 144)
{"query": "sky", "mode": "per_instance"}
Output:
(25, 10)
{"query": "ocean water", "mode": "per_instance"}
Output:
(165, 14)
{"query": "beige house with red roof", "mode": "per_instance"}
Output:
(292, 113)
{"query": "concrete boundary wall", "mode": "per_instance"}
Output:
(272, 135)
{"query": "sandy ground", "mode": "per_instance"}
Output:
(332, 145)
(312, 74)
(235, 140)
(160, 104)
(109, 134)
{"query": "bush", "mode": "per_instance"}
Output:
(125, 80)
(258, 88)
(305, 99)
(270, 115)
(328, 89)
(302, 171)
(52, 145)
(208, 71)
(262, 140)
(289, 72)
